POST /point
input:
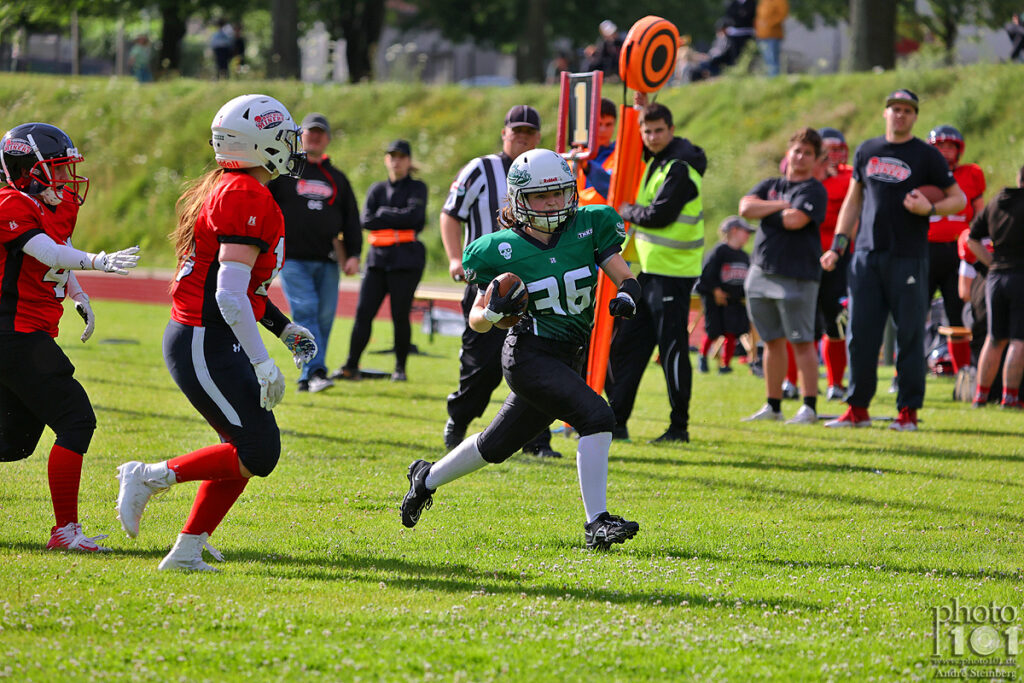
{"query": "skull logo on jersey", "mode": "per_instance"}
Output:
(505, 249)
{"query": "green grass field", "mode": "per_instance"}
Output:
(795, 553)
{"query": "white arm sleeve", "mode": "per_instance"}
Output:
(43, 249)
(232, 285)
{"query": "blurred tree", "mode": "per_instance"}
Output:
(284, 49)
(947, 16)
(359, 22)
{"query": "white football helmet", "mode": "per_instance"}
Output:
(257, 131)
(541, 170)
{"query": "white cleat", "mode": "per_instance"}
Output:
(804, 416)
(71, 537)
(765, 414)
(139, 482)
(187, 554)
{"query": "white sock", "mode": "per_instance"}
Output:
(592, 466)
(463, 459)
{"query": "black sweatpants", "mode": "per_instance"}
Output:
(943, 272)
(400, 285)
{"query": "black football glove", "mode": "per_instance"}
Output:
(624, 303)
(510, 304)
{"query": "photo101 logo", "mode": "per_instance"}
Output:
(977, 641)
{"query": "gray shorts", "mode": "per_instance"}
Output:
(781, 306)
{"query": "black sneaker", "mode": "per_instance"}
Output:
(608, 529)
(303, 385)
(419, 496)
(453, 434)
(673, 435)
(702, 363)
(398, 376)
(542, 451)
(620, 433)
(756, 368)
(724, 370)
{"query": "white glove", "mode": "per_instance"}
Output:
(300, 342)
(271, 383)
(85, 310)
(116, 261)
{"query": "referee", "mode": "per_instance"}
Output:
(471, 211)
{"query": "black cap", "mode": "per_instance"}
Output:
(315, 120)
(401, 147)
(734, 222)
(522, 115)
(907, 96)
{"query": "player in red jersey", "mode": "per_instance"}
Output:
(834, 173)
(943, 231)
(230, 245)
(38, 209)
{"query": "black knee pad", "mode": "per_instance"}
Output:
(598, 420)
(497, 450)
(260, 456)
(76, 434)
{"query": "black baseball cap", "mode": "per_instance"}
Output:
(522, 115)
(907, 96)
(401, 147)
(315, 120)
(734, 222)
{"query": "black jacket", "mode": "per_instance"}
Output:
(676, 191)
(318, 207)
(396, 206)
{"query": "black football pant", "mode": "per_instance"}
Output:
(400, 285)
(480, 373)
(661, 320)
(943, 273)
(37, 389)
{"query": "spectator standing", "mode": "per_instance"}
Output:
(322, 234)
(394, 215)
(222, 42)
(472, 208)
(889, 267)
(595, 180)
(1003, 222)
(771, 14)
(1015, 31)
(140, 58)
(604, 56)
(668, 218)
(782, 285)
(943, 232)
(741, 14)
(39, 209)
(834, 173)
(238, 48)
(721, 287)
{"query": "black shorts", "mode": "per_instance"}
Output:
(209, 366)
(1005, 308)
(547, 384)
(37, 388)
(728, 319)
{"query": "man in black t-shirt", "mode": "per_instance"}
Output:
(889, 267)
(782, 284)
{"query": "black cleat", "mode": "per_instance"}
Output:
(724, 370)
(453, 434)
(702, 364)
(673, 435)
(608, 529)
(542, 451)
(419, 496)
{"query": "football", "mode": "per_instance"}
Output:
(932, 193)
(505, 283)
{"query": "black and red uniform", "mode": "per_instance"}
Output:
(200, 349)
(943, 231)
(832, 288)
(37, 387)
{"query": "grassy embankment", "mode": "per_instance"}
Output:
(142, 142)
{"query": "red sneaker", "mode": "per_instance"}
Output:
(906, 421)
(853, 417)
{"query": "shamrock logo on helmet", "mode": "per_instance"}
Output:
(519, 175)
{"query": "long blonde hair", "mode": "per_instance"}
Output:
(189, 204)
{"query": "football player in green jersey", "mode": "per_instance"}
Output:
(556, 250)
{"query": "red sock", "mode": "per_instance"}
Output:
(64, 471)
(835, 361)
(212, 502)
(981, 394)
(1010, 395)
(705, 345)
(212, 462)
(791, 368)
(960, 352)
(728, 349)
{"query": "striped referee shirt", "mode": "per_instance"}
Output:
(478, 194)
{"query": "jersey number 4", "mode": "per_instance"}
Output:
(576, 298)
